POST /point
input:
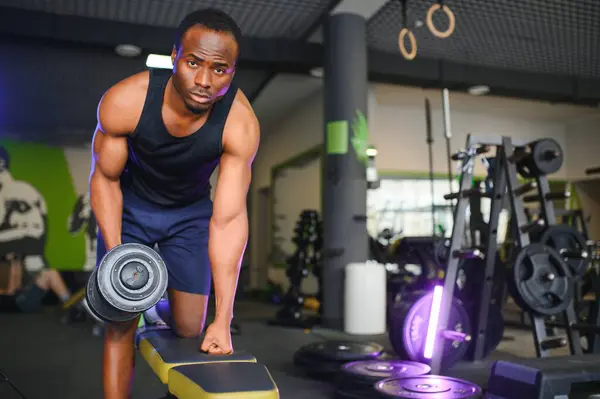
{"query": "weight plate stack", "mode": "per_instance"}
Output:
(427, 387)
(357, 379)
(324, 359)
(409, 325)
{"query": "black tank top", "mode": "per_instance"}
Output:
(173, 171)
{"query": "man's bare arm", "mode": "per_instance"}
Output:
(118, 113)
(228, 232)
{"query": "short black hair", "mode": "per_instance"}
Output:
(212, 19)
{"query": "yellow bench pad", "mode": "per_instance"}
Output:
(222, 381)
(162, 350)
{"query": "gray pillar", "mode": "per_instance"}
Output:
(344, 176)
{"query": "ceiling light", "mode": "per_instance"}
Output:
(128, 50)
(479, 90)
(159, 61)
(317, 72)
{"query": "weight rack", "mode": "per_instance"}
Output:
(475, 146)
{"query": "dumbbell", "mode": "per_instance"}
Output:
(130, 279)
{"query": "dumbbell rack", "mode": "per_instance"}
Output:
(475, 146)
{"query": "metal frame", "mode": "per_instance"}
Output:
(457, 253)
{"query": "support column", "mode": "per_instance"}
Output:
(344, 176)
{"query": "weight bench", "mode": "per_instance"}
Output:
(189, 373)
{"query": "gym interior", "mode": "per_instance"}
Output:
(424, 208)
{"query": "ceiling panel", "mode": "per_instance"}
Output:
(542, 36)
(288, 19)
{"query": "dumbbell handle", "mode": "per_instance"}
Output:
(455, 336)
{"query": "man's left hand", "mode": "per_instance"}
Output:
(217, 340)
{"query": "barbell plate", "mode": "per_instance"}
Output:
(409, 326)
(541, 281)
(375, 370)
(427, 387)
(132, 277)
(546, 157)
(566, 238)
(344, 350)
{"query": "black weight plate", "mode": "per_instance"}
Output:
(346, 351)
(356, 379)
(541, 281)
(427, 387)
(100, 307)
(546, 157)
(566, 238)
(408, 331)
(367, 372)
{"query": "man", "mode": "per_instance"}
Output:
(160, 136)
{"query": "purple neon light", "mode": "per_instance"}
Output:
(433, 322)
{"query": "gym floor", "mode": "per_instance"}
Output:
(44, 358)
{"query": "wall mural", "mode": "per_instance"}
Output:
(42, 217)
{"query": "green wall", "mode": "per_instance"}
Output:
(46, 169)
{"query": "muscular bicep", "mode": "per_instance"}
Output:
(117, 117)
(109, 155)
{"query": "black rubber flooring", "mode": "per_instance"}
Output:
(46, 359)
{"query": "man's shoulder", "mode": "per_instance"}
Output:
(242, 130)
(123, 102)
(241, 112)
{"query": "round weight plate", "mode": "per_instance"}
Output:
(427, 387)
(541, 282)
(376, 370)
(99, 307)
(346, 351)
(546, 157)
(408, 331)
(566, 238)
(132, 277)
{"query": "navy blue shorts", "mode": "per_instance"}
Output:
(180, 233)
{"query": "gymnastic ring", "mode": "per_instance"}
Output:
(451, 21)
(413, 44)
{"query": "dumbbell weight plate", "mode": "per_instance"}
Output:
(99, 307)
(132, 278)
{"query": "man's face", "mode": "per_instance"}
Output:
(203, 67)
